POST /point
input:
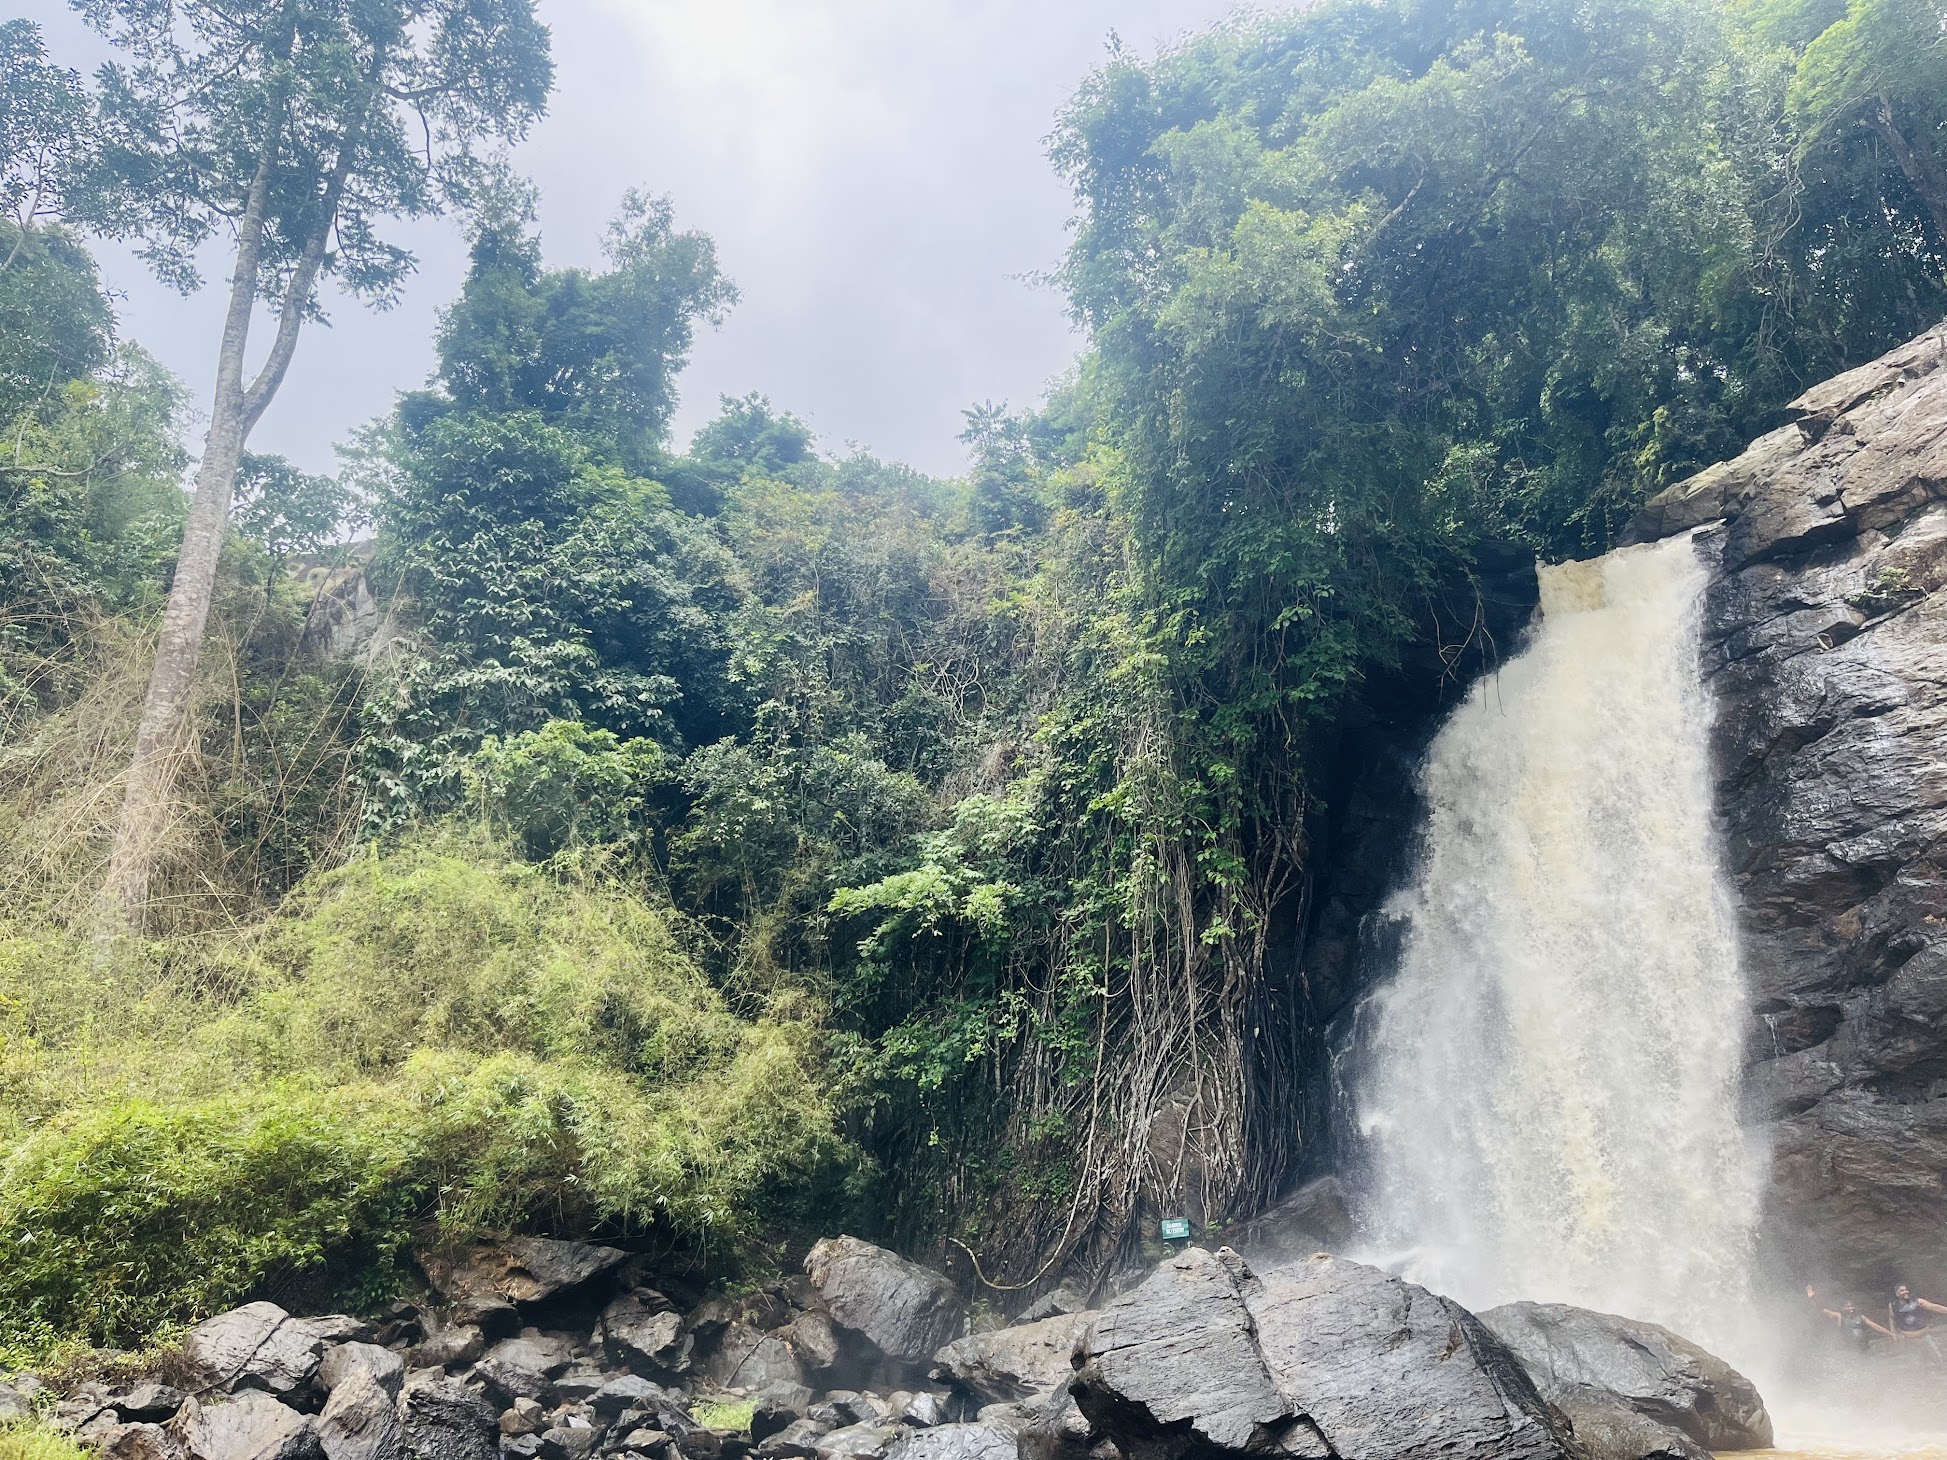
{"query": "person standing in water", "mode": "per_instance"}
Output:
(1855, 1327)
(1911, 1317)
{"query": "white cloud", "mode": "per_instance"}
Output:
(872, 171)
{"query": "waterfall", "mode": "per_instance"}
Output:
(1548, 1098)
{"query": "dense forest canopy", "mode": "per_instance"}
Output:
(692, 846)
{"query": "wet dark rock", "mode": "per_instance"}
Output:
(814, 1340)
(257, 1346)
(360, 1420)
(579, 1383)
(524, 1367)
(568, 1442)
(1071, 1296)
(922, 1410)
(521, 1447)
(1608, 1429)
(1022, 1362)
(855, 1442)
(1325, 1357)
(522, 1417)
(642, 1331)
(252, 1426)
(1824, 630)
(795, 1399)
(1656, 1373)
(745, 1358)
(490, 1284)
(796, 1441)
(904, 1310)
(352, 1361)
(148, 1402)
(453, 1347)
(954, 1442)
(446, 1420)
(1317, 1217)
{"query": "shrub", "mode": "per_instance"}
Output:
(426, 1044)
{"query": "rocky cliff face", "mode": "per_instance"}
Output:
(1826, 649)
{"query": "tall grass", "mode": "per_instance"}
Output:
(417, 1046)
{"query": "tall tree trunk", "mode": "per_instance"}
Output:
(1919, 166)
(161, 738)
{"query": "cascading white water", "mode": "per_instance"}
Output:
(1549, 1099)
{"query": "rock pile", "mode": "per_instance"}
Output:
(542, 1350)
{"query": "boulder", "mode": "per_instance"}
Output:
(641, 1331)
(747, 1359)
(13, 1404)
(138, 1441)
(568, 1442)
(796, 1441)
(1023, 1362)
(523, 1367)
(445, 1420)
(252, 1426)
(522, 1417)
(257, 1346)
(361, 1420)
(1316, 1217)
(483, 1287)
(906, 1311)
(813, 1340)
(1320, 1358)
(330, 1328)
(351, 1361)
(954, 1442)
(452, 1347)
(1659, 1375)
(1070, 1297)
(922, 1410)
(855, 1442)
(1608, 1429)
(148, 1402)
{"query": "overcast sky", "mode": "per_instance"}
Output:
(873, 172)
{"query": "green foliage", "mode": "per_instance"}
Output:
(34, 1441)
(287, 511)
(43, 115)
(55, 324)
(434, 1037)
(567, 786)
(595, 354)
(388, 99)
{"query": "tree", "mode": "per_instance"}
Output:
(297, 127)
(1877, 68)
(287, 511)
(43, 110)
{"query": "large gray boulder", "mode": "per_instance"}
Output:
(642, 1332)
(1207, 1359)
(743, 1358)
(445, 1420)
(361, 1418)
(1027, 1361)
(522, 1368)
(1661, 1376)
(906, 1311)
(257, 1346)
(252, 1426)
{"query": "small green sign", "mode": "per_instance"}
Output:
(1176, 1229)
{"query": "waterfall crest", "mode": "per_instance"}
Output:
(1549, 1100)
